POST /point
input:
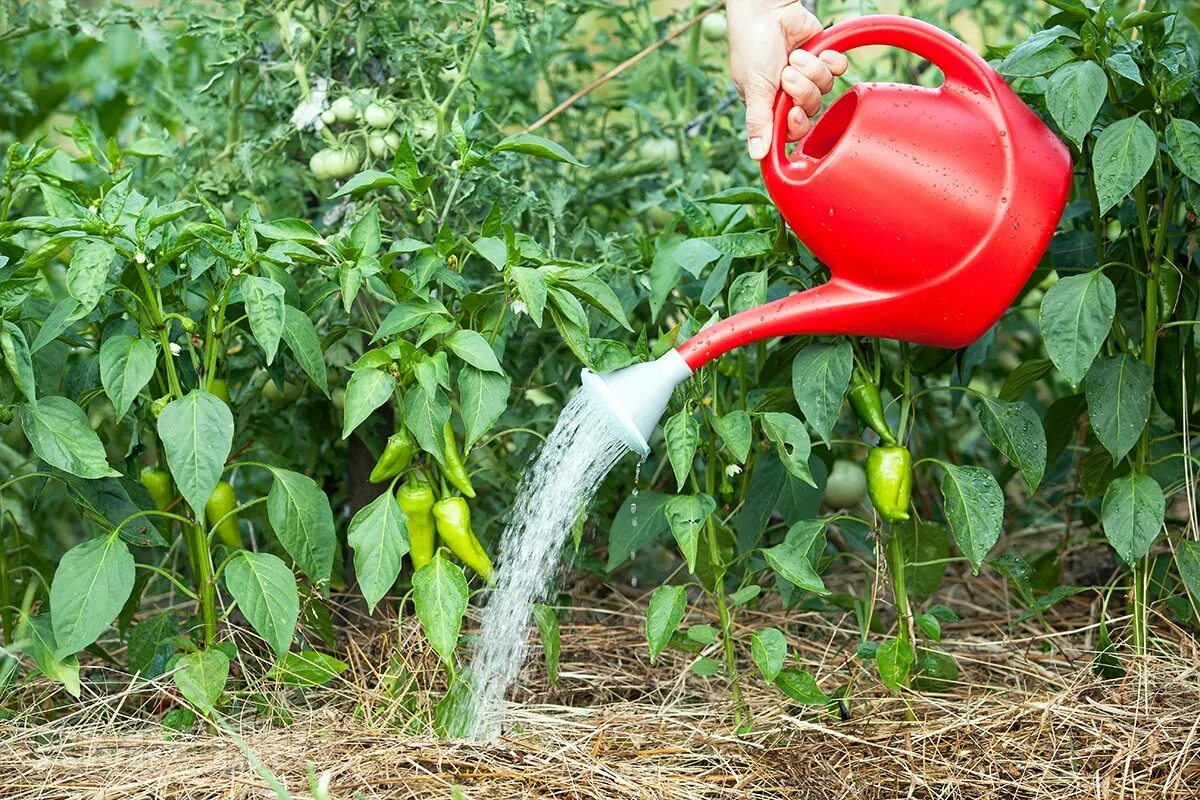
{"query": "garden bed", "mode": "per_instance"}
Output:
(1029, 718)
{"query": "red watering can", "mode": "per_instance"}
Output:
(931, 208)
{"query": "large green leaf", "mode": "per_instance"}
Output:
(768, 648)
(301, 336)
(440, 596)
(667, 607)
(737, 432)
(794, 558)
(306, 669)
(1183, 143)
(791, 442)
(265, 590)
(894, 659)
(1016, 431)
(59, 433)
(640, 520)
(1076, 315)
(1074, 95)
(379, 535)
(801, 687)
(303, 521)
(532, 145)
(200, 677)
(1122, 156)
(686, 516)
(126, 366)
(820, 376)
(472, 348)
(974, 509)
(682, 434)
(36, 637)
(366, 391)
(1118, 397)
(88, 273)
(14, 352)
(197, 434)
(482, 398)
(1132, 515)
(92, 582)
(265, 308)
(425, 414)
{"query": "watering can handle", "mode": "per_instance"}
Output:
(961, 66)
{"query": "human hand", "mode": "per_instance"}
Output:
(764, 55)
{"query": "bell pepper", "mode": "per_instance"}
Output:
(454, 469)
(395, 458)
(889, 481)
(416, 501)
(454, 527)
(868, 407)
(216, 512)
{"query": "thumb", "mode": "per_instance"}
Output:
(760, 98)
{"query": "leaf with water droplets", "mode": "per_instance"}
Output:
(683, 437)
(1076, 315)
(1132, 515)
(820, 376)
(1118, 397)
(1016, 431)
(1122, 156)
(687, 514)
(791, 441)
(974, 509)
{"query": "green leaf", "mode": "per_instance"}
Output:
(440, 596)
(482, 398)
(292, 230)
(92, 582)
(65, 312)
(59, 433)
(894, 659)
(667, 607)
(792, 443)
(682, 433)
(151, 644)
(820, 377)
(531, 145)
(927, 551)
(1187, 558)
(748, 290)
(640, 520)
(306, 669)
(1124, 65)
(801, 687)
(793, 559)
(366, 391)
(532, 289)
(768, 648)
(702, 634)
(1020, 379)
(1076, 315)
(37, 636)
(736, 429)
(706, 667)
(547, 624)
(200, 677)
(1183, 143)
(365, 181)
(1074, 95)
(686, 516)
(197, 433)
(88, 273)
(301, 336)
(1132, 515)
(265, 590)
(1118, 397)
(1022, 64)
(17, 359)
(472, 348)
(264, 305)
(1016, 431)
(126, 366)
(300, 514)
(1122, 156)
(379, 535)
(425, 414)
(974, 509)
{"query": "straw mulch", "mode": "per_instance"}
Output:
(1029, 718)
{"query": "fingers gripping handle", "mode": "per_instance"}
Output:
(960, 65)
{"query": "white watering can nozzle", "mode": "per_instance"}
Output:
(636, 396)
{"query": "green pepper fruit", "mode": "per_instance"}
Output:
(216, 512)
(868, 406)
(220, 389)
(454, 527)
(454, 469)
(158, 486)
(416, 501)
(889, 481)
(395, 458)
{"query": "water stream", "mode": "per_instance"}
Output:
(554, 491)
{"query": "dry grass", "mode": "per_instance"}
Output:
(1028, 719)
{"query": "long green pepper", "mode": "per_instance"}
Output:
(454, 469)
(416, 501)
(889, 481)
(868, 407)
(396, 456)
(454, 527)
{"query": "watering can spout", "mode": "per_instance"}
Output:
(636, 397)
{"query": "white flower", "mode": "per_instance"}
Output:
(139, 257)
(237, 271)
(308, 113)
(176, 349)
(733, 469)
(519, 307)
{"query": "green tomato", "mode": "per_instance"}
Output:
(383, 145)
(660, 151)
(715, 27)
(659, 217)
(343, 108)
(342, 163)
(289, 394)
(319, 164)
(846, 486)
(378, 116)
(425, 128)
(328, 117)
